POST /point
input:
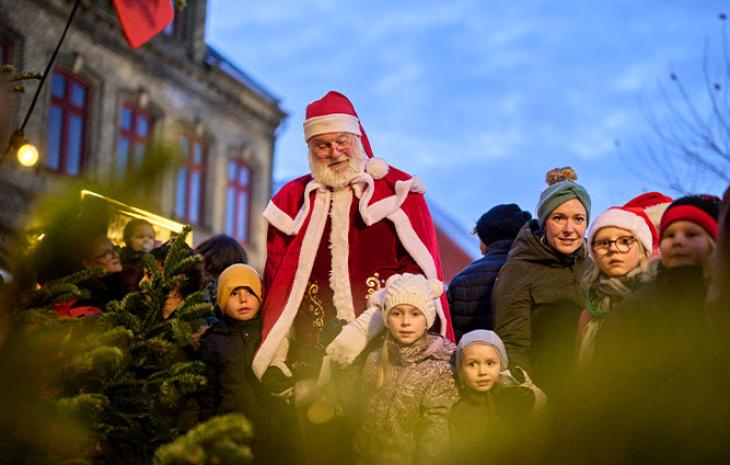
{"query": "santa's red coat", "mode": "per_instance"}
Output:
(388, 229)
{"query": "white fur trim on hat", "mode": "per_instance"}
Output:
(415, 290)
(655, 212)
(377, 168)
(620, 218)
(335, 122)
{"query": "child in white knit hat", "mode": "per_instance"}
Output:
(495, 408)
(408, 382)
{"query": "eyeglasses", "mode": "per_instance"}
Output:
(323, 148)
(107, 255)
(623, 244)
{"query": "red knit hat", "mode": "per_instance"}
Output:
(334, 113)
(703, 210)
(630, 219)
(653, 203)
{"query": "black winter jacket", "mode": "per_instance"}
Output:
(227, 351)
(489, 428)
(470, 291)
(537, 301)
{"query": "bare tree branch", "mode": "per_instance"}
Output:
(692, 141)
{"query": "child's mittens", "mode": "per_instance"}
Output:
(354, 337)
(540, 397)
(277, 383)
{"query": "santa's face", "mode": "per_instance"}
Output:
(335, 158)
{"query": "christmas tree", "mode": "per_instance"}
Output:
(119, 381)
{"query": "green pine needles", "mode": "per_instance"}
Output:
(125, 376)
(221, 440)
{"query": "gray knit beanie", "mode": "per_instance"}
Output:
(483, 336)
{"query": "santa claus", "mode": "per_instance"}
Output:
(334, 237)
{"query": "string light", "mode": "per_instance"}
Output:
(27, 155)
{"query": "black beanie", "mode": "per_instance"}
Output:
(501, 222)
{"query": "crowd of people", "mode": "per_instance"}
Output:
(351, 349)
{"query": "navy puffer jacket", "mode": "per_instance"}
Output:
(470, 291)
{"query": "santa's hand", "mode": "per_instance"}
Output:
(354, 337)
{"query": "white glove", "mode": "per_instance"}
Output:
(354, 337)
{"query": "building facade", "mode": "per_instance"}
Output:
(104, 104)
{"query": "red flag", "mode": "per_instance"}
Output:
(141, 20)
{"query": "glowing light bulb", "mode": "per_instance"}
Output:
(28, 155)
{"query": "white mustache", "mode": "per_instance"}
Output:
(339, 160)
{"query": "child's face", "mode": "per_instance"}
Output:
(142, 239)
(407, 324)
(480, 367)
(685, 243)
(242, 304)
(622, 254)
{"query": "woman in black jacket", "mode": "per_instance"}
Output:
(538, 295)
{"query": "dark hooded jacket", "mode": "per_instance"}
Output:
(227, 351)
(537, 301)
(470, 291)
(486, 428)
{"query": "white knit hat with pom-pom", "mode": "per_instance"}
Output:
(415, 290)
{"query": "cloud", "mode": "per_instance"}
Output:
(394, 80)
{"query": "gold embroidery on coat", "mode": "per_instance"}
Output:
(315, 307)
(373, 283)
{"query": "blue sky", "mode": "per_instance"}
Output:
(480, 98)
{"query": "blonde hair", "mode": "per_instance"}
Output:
(383, 363)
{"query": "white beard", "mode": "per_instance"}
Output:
(326, 175)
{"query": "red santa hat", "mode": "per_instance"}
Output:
(334, 113)
(653, 203)
(634, 220)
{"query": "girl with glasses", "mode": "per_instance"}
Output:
(621, 241)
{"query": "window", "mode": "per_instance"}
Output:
(176, 28)
(190, 181)
(67, 124)
(135, 126)
(238, 200)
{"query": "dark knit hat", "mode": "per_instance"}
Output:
(501, 222)
(702, 209)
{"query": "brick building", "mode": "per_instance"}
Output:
(105, 102)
